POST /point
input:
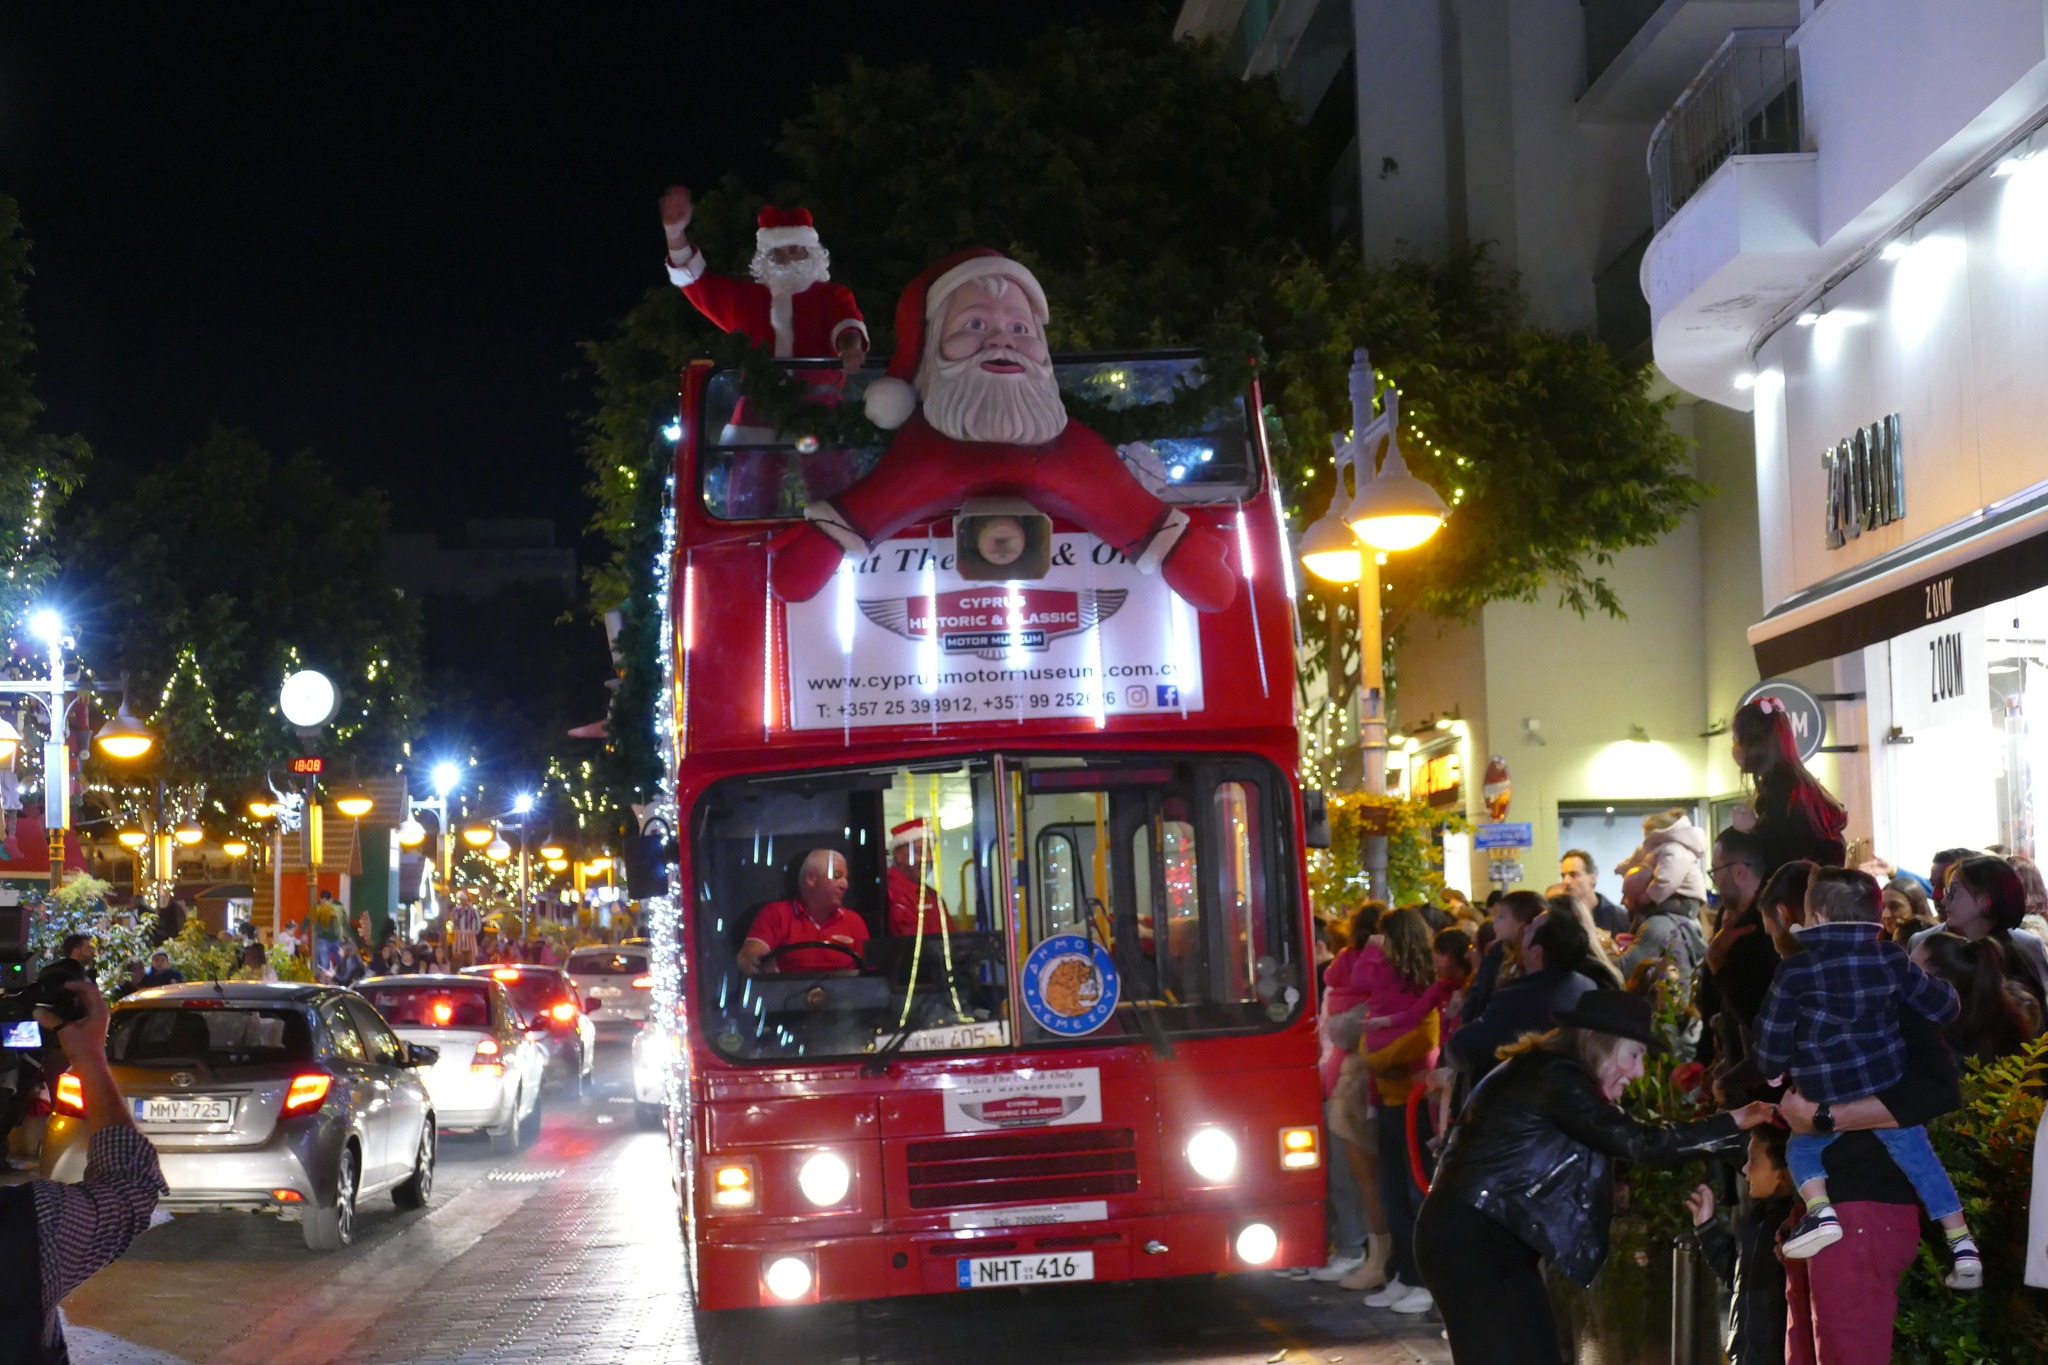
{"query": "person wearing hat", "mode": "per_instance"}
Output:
(914, 908)
(973, 398)
(1528, 1176)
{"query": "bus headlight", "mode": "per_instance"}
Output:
(825, 1179)
(1213, 1155)
(1257, 1244)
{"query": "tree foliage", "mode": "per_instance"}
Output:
(38, 470)
(212, 579)
(1162, 201)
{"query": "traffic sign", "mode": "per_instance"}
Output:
(1506, 834)
(1802, 708)
(306, 765)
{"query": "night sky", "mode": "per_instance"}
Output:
(379, 230)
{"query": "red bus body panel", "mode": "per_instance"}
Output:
(887, 1237)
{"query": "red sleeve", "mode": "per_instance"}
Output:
(771, 925)
(844, 311)
(719, 298)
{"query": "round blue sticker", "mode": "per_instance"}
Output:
(1070, 985)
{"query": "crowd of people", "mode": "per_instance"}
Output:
(1476, 1061)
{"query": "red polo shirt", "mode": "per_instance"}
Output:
(785, 922)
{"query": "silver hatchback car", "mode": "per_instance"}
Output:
(296, 1100)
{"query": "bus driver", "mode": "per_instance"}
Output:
(817, 915)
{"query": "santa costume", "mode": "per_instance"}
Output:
(913, 906)
(1076, 475)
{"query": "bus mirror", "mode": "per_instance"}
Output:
(1315, 819)
(1000, 540)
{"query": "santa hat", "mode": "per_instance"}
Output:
(784, 227)
(891, 399)
(909, 832)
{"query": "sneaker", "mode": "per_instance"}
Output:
(1813, 1233)
(1340, 1264)
(1968, 1270)
(1391, 1295)
(1414, 1301)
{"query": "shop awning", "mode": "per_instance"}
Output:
(1999, 553)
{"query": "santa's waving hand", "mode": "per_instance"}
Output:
(971, 344)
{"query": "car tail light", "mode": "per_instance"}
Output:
(288, 1196)
(70, 1094)
(505, 973)
(307, 1092)
(643, 983)
(563, 1012)
(488, 1058)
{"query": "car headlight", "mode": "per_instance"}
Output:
(825, 1179)
(1213, 1155)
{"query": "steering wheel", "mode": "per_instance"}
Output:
(858, 963)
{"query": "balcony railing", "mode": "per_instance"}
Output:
(1744, 103)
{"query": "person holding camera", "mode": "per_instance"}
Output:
(54, 1236)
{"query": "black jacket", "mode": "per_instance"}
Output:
(1525, 1005)
(1534, 1150)
(1746, 1260)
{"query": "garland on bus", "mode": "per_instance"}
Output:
(781, 398)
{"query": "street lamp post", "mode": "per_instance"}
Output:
(1390, 510)
(308, 700)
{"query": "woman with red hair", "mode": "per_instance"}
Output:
(1790, 812)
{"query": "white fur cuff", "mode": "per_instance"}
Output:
(826, 518)
(687, 271)
(1163, 541)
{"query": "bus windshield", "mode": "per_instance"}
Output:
(750, 472)
(866, 910)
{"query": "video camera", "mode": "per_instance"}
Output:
(20, 998)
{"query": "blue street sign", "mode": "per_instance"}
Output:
(1504, 835)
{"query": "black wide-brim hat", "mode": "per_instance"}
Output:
(1615, 1012)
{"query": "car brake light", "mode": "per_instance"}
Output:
(307, 1092)
(643, 983)
(70, 1094)
(505, 973)
(443, 1011)
(563, 1012)
(487, 1059)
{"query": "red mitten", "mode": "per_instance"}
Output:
(1198, 568)
(801, 561)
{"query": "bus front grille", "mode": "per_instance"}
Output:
(1012, 1168)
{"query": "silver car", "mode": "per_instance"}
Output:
(614, 985)
(491, 1064)
(296, 1100)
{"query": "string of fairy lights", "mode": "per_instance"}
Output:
(663, 912)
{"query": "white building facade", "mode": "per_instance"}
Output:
(1878, 294)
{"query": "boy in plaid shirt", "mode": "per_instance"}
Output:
(1832, 1020)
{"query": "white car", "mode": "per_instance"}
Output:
(489, 1073)
(615, 987)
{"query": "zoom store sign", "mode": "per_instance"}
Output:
(1866, 481)
(1938, 673)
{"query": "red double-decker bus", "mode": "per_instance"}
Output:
(1096, 1061)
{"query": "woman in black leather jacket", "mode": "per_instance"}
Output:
(1529, 1174)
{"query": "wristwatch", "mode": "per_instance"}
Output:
(1824, 1117)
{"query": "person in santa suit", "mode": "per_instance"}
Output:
(913, 906)
(972, 389)
(790, 305)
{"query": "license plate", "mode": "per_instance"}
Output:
(999, 1272)
(184, 1111)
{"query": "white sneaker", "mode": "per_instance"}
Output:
(1391, 1295)
(1415, 1301)
(1340, 1264)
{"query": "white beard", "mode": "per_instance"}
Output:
(794, 278)
(967, 403)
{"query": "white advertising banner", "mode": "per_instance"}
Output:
(1939, 674)
(898, 638)
(1023, 1099)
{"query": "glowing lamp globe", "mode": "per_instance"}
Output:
(261, 809)
(597, 867)
(412, 833)
(552, 851)
(447, 777)
(132, 838)
(498, 850)
(1396, 510)
(308, 699)
(234, 848)
(124, 737)
(558, 864)
(476, 836)
(354, 804)
(188, 833)
(1331, 552)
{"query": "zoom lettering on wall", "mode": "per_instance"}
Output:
(1866, 481)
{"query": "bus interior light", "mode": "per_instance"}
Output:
(1213, 1155)
(732, 1185)
(1300, 1149)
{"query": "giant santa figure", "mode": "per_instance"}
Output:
(970, 346)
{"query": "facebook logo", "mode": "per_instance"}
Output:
(1169, 694)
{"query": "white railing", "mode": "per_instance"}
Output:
(1744, 102)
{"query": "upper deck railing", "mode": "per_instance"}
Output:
(1745, 102)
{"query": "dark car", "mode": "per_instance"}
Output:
(547, 1002)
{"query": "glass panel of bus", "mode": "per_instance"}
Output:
(805, 919)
